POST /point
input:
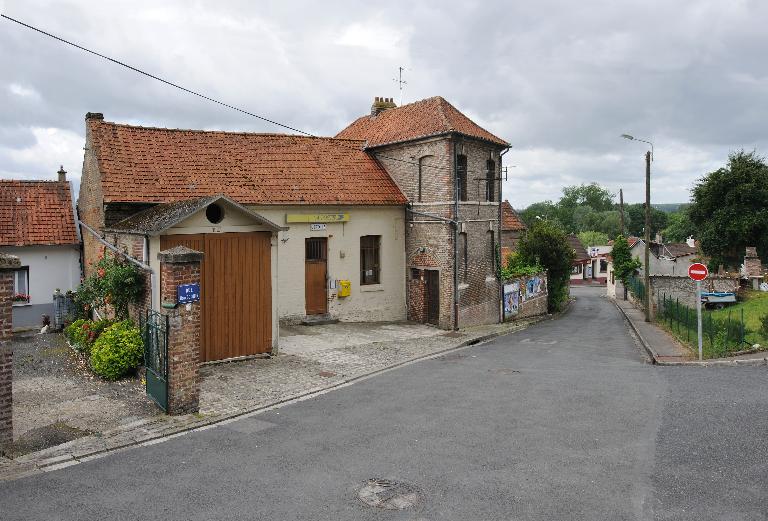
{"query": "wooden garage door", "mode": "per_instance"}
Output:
(236, 292)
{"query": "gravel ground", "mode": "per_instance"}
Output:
(56, 398)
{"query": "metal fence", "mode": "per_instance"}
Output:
(637, 288)
(64, 310)
(719, 335)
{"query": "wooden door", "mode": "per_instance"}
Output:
(236, 292)
(315, 275)
(433, 296)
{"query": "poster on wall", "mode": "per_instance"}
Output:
(534, 287)
(511, 299)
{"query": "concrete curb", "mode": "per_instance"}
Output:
(35, 463)
(704, 363)
(643, 341)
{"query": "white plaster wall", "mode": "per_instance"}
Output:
(663, 266)
(610, 290)
(381, 302)
(50, 267)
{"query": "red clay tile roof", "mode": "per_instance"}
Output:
(510, 221)
(429, 117)
(36, 213)
(158, 165)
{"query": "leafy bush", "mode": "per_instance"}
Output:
(114, 282)
(118, 351)
(83, 333)
(764, 326)
(546, 244)
(77, 334)
(516, 266)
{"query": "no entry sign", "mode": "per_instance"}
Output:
(697, 271)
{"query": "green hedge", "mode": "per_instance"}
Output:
(118, 351)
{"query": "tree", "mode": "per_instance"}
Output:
(679, 226)
(545, 243)
(543, 210)
(729, 209)
(636, 221)
(592, 238)
(624, 264)
(581, 199)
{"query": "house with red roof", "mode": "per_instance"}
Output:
(398, 216)
(37, 224)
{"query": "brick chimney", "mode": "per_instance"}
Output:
(62, 174)
(381, 104)
(752, 264)
(94, 115)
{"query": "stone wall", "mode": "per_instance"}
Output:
(8, 263)
(685, 289)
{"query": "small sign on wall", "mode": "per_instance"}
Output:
(316, 227)
(186, 293)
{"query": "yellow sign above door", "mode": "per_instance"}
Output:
(317, 217)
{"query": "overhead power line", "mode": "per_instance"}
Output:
(198, 94)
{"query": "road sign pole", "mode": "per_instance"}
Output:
(698, 314)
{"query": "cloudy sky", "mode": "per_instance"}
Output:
(559, 80)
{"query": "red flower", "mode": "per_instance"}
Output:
(102, 272)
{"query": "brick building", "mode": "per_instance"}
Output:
(449, 169)
(512, 228)
(396, 217)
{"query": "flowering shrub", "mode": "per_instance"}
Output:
(118, 351)
(21, 297)
(115, 283)
(83, 333)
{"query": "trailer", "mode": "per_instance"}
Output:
(718, 299)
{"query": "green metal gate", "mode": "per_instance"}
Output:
(155, 333)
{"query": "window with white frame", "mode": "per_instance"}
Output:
(21, 285)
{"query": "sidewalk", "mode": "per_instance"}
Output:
(231, 390)
(664, 349)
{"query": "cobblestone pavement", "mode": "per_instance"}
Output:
(232, 389)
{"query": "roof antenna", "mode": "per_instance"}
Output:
(400, 82)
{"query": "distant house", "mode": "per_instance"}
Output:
(666, 259)
(598, 267)
(512, 228)
(582, 262)
(37, 224)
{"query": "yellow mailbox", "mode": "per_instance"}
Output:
(345, 288)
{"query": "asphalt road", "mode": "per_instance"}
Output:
(561, 421)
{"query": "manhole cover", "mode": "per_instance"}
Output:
(453, 357)
(388, 494)
(504, 370)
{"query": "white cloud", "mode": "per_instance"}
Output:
(53, 147)
(22, 91)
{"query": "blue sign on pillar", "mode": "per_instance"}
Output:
(186, 293)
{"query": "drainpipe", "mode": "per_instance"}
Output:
(501, 284)
(456, 233)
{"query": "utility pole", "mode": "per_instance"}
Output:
(647, 236)
(621, 210)
(646, 268)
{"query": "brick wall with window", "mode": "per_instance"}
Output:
(424, 172)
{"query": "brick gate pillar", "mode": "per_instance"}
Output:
(181, 265)
(8, 263)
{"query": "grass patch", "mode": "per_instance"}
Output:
(725, 331)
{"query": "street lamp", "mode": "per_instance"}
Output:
(648, 159)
